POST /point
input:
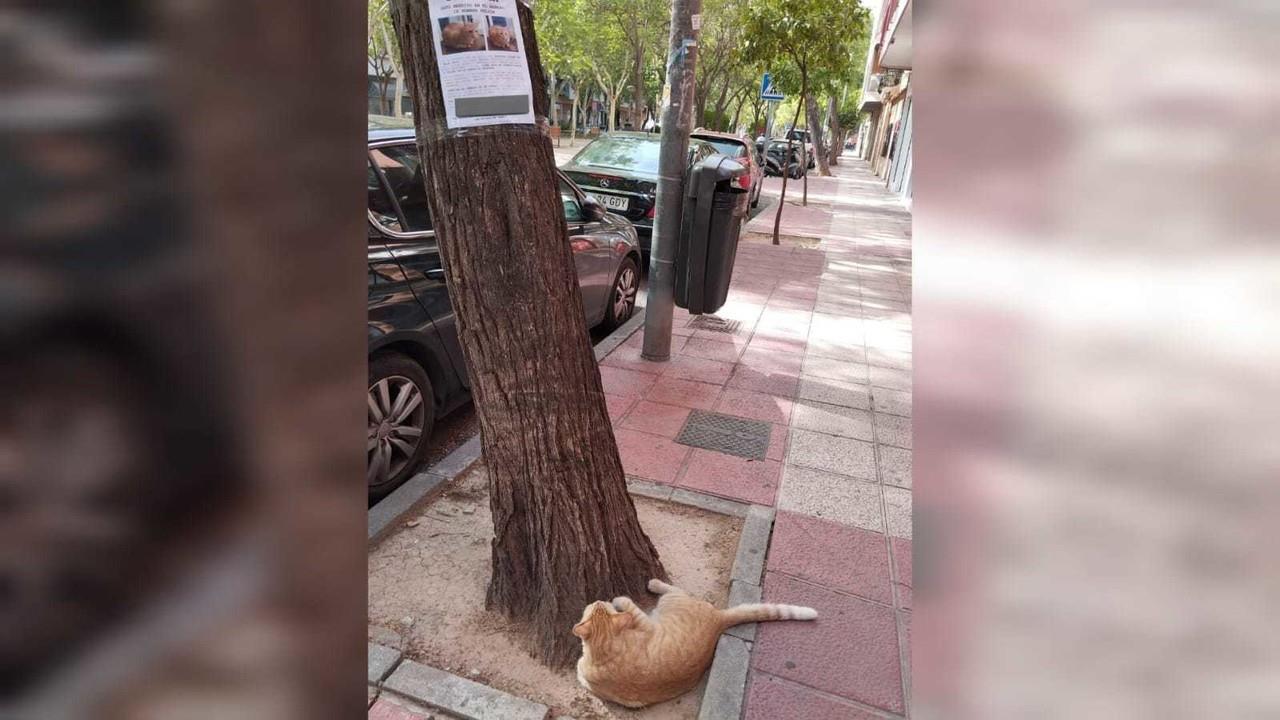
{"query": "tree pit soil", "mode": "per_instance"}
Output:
(427, 583)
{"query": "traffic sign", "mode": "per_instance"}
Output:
(769, 91)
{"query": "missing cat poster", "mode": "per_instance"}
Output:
(484, 74)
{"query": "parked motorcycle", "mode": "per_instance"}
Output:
(779, 158)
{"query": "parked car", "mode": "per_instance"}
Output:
(802, 137)
(782, 157)
(620, 170)
(416, 368)
(741, 149)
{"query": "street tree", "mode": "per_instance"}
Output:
(609, 59)
(565, 530)
(643, 25)
(384, 53)
(800, 38)
(563, 28)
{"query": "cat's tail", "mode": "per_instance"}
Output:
(763, 612)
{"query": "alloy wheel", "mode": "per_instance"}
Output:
(396, 418)
(624, 294)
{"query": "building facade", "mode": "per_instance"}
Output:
(886, 134)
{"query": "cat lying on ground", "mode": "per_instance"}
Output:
(461, 36)
(635, 659)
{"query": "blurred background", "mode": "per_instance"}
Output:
(182, 357)
(1096, 429)
(181, 493)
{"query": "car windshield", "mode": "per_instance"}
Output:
(622, 153)
(732, 148)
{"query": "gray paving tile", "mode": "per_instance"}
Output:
(833, 420)
(835, 392)
(837, 498)
(895, 466)
(897, 504)
(892, 378)
(820, 451)
(824, 367)
(892, 402)
(893, 430)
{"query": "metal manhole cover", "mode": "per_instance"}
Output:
(714, 324)
(727, 434)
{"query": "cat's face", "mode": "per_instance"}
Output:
(600, 618)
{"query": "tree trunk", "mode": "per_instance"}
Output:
(837, 140)
(782, 196)
(553, 117)
(637, 98)
(814, 121)
(573, 117)
(613, 112)
(565, 530)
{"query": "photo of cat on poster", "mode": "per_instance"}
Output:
(459, 33)
(501, 35)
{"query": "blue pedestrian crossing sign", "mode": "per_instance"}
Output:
(769, 91)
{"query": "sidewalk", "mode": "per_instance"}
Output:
(822, 353)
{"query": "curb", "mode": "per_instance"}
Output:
(726, 686)
(394, 507)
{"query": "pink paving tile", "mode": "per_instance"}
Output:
(772, 362)
(902, 565)
(832, 555)
(772, 698)
(753, 481)
(384, 710)
(618, 406)
(656, 418)
(794, 346)
(699, 369)
(649, 456)
(631, 383)
(791, 303)
(777, 443)
(754, 405)
(725, 348)
(637, 341)
(686, 393)
(851, 650)
(628, 358)
(780, 384)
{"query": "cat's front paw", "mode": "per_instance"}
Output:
(623, 603)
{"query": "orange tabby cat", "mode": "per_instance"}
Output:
(635, 659)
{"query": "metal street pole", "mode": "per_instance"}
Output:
(768, 122)
(673, 160)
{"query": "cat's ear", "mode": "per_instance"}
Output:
(582, 629)
(622, 620)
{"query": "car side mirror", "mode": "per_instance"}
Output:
(592, 210)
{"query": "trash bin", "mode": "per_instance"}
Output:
(715, 204)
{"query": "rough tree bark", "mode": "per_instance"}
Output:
(565, 529)
(833, 122)
(814, 122)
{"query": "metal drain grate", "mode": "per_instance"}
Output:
(714, 324)
(727, 434)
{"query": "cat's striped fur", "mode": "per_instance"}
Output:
(636, 659)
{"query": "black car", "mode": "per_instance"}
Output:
(416, 368)
(620, 169)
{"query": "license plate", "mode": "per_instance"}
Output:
(613, 202)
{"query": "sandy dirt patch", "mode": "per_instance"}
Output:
(427, 583)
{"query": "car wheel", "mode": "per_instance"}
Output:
(622, 297)
(401, 412)
(755, 201)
